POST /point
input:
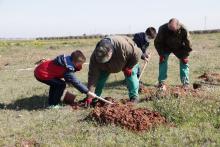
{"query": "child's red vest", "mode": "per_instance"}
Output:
(48, 70)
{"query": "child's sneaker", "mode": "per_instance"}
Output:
(55, 107)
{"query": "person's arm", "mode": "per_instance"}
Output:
(70, 77)
(145, 47)
(187, 42)
(159, 41)
(145, 54)
(133, 57)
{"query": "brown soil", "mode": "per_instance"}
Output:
(207, 79)
(174, 91)
(77, 105)
(210, 77)
(124, 115)
(29, 143)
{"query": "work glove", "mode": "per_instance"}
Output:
(185, 60)
(162, 58)
(127, 71)
(78, 67)
(89, 99)
(145, 56)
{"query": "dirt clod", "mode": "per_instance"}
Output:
(124, 115)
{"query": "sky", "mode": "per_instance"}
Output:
(45, 18)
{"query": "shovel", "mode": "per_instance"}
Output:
(104, 100)
(142, 71)
(145, 64)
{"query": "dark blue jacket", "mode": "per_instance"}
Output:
(141, 41)
(69, 76)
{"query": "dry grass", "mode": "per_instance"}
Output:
(24, 117)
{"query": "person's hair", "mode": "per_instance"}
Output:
(151, 31)
(173, 19)
(78, 56)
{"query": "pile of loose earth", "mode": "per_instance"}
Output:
(126, 116)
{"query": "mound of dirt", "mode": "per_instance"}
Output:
(207, 80)
(29, 143)
(174, 91)
(212, 78)
(124, 115)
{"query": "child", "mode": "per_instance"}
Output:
(51, 72)
(143, 41)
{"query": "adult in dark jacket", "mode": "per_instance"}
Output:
(173, 37)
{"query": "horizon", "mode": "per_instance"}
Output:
(50, 18)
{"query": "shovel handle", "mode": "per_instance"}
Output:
(145, 64)
(142, 71)
(104, 100)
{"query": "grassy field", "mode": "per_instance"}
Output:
(23, 101)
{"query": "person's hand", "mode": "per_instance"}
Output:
(145, 57)
(127, 71)
(88, 101)
(185, 60)
(162, 58)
